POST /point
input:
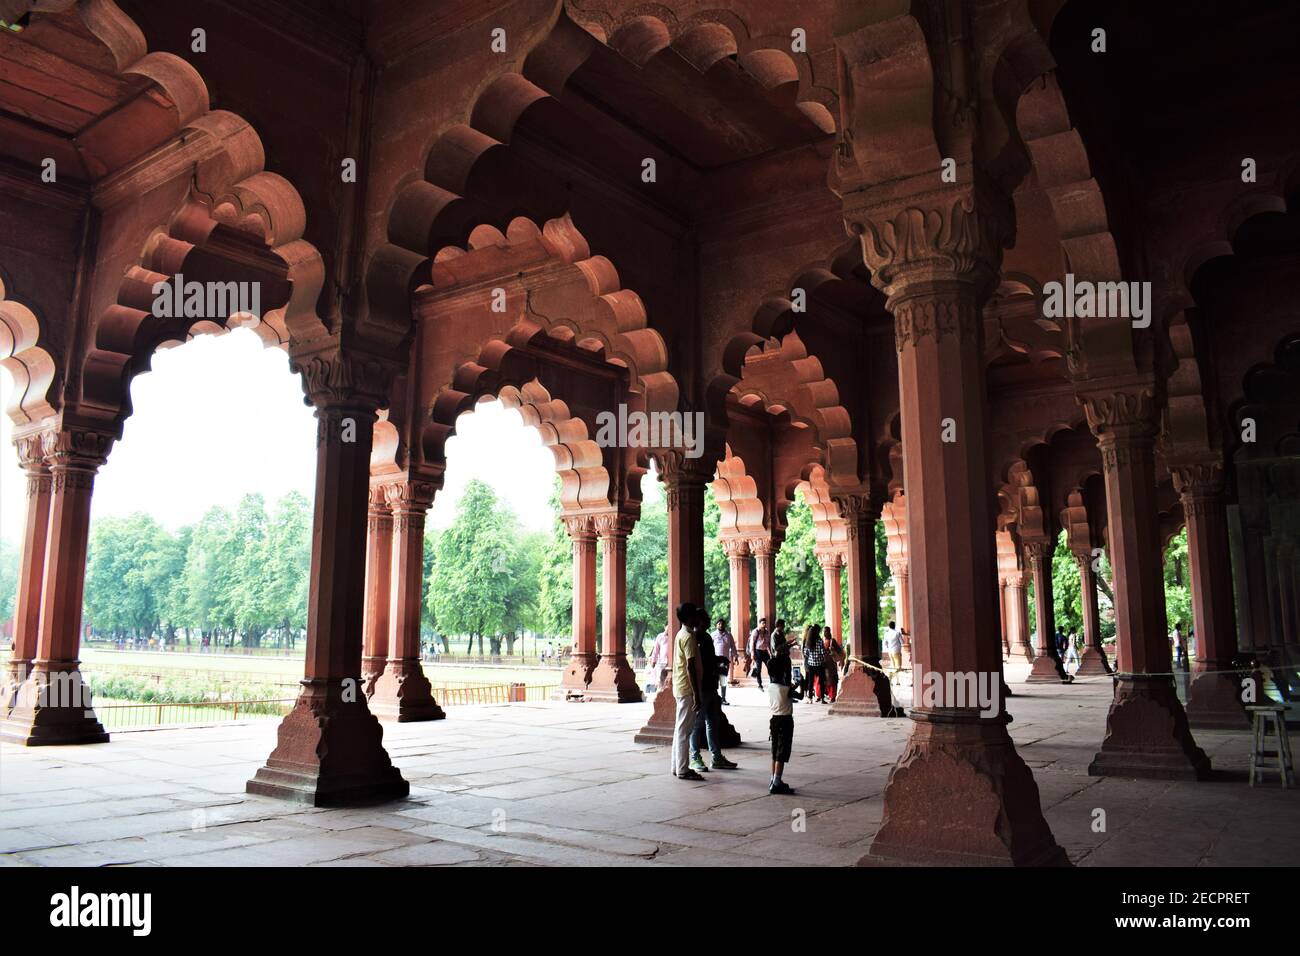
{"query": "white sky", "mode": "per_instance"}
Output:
(221, 416)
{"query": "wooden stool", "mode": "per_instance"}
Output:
(1262, 759)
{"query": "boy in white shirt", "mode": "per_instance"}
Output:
(781, 695)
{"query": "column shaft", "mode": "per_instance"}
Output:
(613, 678)
(379, 560)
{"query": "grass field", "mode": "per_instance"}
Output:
(234, 668)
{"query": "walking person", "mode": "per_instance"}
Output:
(707, 729)
(1072, 652)
(687, 689)
(657, 665)
(781, 695)
(892, 645)
(814, 659)
(759, 649)
(834, 658)
(724, 646)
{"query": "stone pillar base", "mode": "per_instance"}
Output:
(663, 718)
(1093, 663)
(1147, 734)
(330, 753)
(864, 693)
(577, 675)
(16, 671)
(52, 706)
(728, 735)
(1214, 701)
(1046, 670)
(1022, 650)
(961, 796)
(371, 668)
(403, 694)
(614, 681)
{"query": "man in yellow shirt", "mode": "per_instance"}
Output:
(687, 687)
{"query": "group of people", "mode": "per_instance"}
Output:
(700, 665)
(823, 656)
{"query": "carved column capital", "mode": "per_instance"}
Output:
(73, 455)
(581, 528)
(1037, 549)
(338, 378)
(409, 496)
(830, 560)
(736, 548)
(950, 235)
(899, 569)
(763, 547)
(614, 524)
(1198, 485)
(859, 511)
(1121, 412)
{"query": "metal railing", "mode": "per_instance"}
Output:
(449, 696)
(134, 716)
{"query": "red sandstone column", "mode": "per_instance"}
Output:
(583, 659)
(764, 551)
(1214, 699)
(738, 576)
(1146, 729)
(864, 691)
(379, 559)
(27, 601)
(832, 563)
(1017, 608)
(935, 257)
(901, 573)
(403, 692)
(1002, 616)
(52, 704)
(1254, 516)
(1047, 664)
(613, 678)
(1092, 662)
(330, 748)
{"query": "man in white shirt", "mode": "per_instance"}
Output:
(724, 645)
(658, 662)
(759, 649)
(892, 645)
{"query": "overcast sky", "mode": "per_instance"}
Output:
(221, 416)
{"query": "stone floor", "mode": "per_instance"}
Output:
(558, 784)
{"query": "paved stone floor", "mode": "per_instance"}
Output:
(557, 784)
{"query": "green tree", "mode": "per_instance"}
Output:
(8, 579)
(717, 572)
(286, 567)
(1178, 591)
(470, 586)
(647, 575)
(800, 597)
(555, 588)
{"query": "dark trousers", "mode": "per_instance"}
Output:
(705, 731)
(760, 659)
(818, 672)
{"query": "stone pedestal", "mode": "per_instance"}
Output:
(403, 693)
(663, 719)
(1147, 734)
(53, 706)
(961, 796)
(864, 693)
(330, 752)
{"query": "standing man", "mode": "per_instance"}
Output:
(708, 720)
(893, 646)
(687, 689)
(759, 649)
(657, 665)
(724, 646)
